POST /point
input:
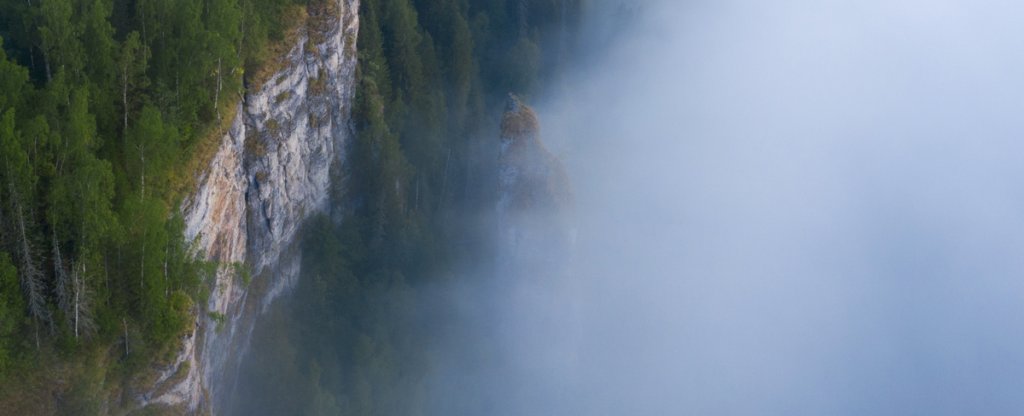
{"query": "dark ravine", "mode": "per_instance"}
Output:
(272, 170)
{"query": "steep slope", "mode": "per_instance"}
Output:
(273, 169)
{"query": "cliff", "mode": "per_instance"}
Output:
(273, 169)
(534, 195)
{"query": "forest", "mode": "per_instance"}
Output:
(109, 110)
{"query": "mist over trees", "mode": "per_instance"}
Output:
(358, 335)
(107, 108)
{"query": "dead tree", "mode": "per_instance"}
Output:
(31, 276)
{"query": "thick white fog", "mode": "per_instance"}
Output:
(784, 208)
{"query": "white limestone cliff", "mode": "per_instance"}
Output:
(273, 169)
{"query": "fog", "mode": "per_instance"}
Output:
(783, 208)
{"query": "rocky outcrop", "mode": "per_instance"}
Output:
(534, 195)
(273, 169)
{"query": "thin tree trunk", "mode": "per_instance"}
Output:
(145, 40)
(124, 102)
(78, 298)
(142, 173)
(31, 276)
(142, 264)
(167, 252)
(106, 279)
(216, 95)
(241, 39)
(124, 321)
(63, 287)
(85, 326)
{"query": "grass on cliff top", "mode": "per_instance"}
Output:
(201, 151)
(273, 56)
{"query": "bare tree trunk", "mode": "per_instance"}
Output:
(84, 324)
(142, 173)
(124, 322)
(142, 195)
(124, 102)
(142, 264)
(63, 287)
(241, 39)
(142, 11)
(106, 278)
(216, 94)
(78, 297)
(167, 252)
(31, 275)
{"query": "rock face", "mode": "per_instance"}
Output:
(534, 196)
(272, 170)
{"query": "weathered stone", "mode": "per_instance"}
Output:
(249, 204)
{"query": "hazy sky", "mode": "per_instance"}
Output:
(787, 208)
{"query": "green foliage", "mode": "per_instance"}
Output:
(351, 338)
(60, 37)
(100, 101)
(218, 318)
(12, 312)
(13, 80)
(241, 271)
(153, 149)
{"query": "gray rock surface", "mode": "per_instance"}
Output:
(272, 170)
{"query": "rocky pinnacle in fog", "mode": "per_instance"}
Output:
(534, 194)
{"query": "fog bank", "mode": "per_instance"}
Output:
(787, 207)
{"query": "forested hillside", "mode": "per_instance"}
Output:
(109, 110)
(433, 77)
